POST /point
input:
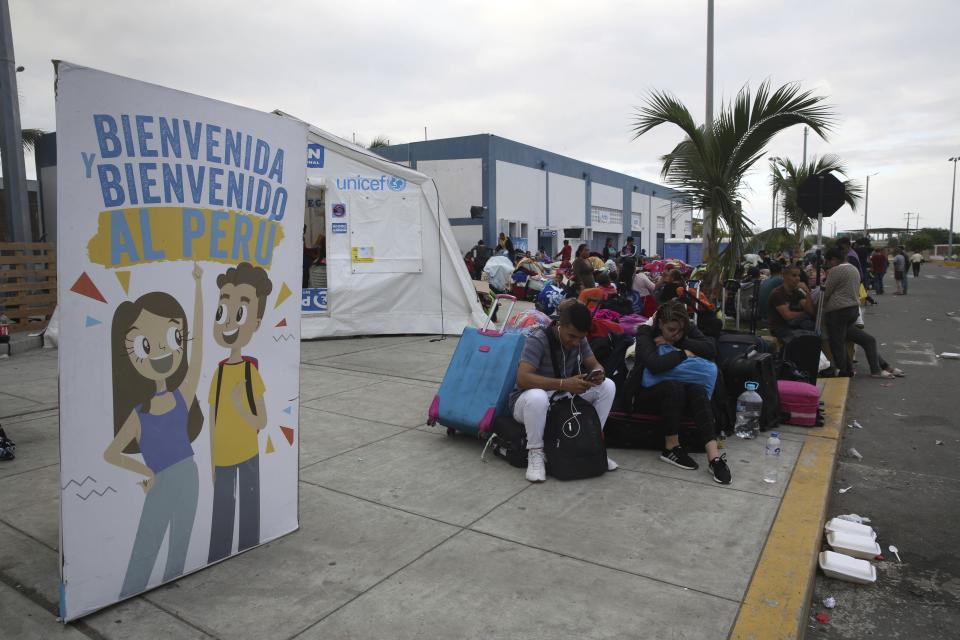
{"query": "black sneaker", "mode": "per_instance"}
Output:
(720, 470)
(679, 458)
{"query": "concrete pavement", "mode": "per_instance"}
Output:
(405, 533)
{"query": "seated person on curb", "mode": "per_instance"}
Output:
(604, 289)
(536, 381)
(790, 306)
(670, 398)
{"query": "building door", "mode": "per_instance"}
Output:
(547, 240)
(600, 239)
(661, 239)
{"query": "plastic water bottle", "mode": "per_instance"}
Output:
(771, 458)
(749, 404)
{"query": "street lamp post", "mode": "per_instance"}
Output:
(773, 207)
(953, 197)
(866, 204)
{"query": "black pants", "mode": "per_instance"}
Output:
(671, 399)
(916, 269)
(841, 326)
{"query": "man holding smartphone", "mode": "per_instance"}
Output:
(537, 381)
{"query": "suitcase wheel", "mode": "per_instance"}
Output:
(451, 431)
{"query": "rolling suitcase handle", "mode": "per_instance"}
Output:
(493, 309)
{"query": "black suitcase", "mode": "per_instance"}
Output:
(731, 345)
(762, 369)
(626, 430)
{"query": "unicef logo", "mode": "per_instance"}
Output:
(397, 184)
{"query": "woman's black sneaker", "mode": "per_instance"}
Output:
(679, 458)
(720, 470)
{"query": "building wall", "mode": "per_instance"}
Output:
(606, 204)
(526, 184)
(567, 201)
(521, 194)
(460, 183)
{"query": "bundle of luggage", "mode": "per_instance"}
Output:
(473, 397)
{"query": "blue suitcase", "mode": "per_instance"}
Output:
(479, 378)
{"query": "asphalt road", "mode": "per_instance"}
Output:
(908, 482)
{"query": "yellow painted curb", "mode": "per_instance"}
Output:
(950, 263)
(778, 597)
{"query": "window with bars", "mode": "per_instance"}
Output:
(606, 215)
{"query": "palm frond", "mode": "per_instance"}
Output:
(31, 138)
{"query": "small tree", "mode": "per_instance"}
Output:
(708, 165)
(920, 241)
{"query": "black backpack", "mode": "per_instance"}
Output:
(573, 438)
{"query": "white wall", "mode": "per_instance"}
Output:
(522, 195)
(460, 183)
(607, 197)
(467, 236)
(603, 196)
(567, 202)
(661, 207)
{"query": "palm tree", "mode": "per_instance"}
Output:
(786, 179)
(378, 142)
(708, 165)
(30, 138)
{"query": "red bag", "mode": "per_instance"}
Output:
(601, 328)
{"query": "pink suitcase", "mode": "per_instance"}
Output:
(799, 403)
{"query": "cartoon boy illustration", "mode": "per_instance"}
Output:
(237, 410)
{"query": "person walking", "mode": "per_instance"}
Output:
(915, 261)
(582, 269)
(900, 272)
(878, 268)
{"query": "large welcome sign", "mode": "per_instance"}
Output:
(179, 252)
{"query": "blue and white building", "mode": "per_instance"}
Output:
(540, 198)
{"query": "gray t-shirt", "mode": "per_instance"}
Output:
(536, 351)
(899, 263)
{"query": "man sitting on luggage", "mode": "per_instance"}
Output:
(537, 381)
(790, 307)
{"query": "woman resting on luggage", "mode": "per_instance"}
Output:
(666, 349)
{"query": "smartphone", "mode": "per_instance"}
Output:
(594, 375)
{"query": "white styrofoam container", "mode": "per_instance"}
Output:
(841, 567)
(853, 544)
(838, 524)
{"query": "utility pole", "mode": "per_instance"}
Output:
(866, 204)
(953, 197)
(708, 213)
(806, 132)
(11, 137)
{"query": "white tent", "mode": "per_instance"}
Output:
(392, 262)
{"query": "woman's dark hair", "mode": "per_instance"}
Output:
(672, 311)
(130, 389)
(603, 279)
(579, 249)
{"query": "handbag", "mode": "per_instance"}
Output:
(695, 370)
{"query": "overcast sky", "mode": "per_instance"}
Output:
(564, 76)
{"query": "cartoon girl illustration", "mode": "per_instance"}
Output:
(156, 414)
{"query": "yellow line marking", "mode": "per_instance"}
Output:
(776, 602)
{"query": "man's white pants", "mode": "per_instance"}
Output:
(532, 405)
